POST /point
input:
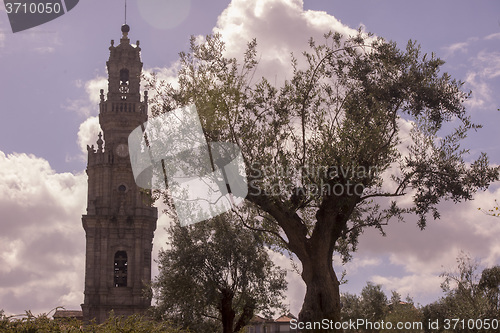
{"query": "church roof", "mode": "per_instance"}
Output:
(285, 318)
(77, 314)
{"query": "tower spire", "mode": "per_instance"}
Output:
(125, 11)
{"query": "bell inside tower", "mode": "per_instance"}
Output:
(124, 83)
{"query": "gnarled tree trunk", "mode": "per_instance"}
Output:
(322, 299)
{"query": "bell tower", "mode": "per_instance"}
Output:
(120, 220)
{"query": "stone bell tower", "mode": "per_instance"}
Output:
(120, 220)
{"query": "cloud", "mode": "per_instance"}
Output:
(482, 67)
(93, 87)
(414, 258)
(489, 64)
(493, 36)
(42, 243)
(280, 28)
(481, 91)
(296, 286)
(415, 286)
(461, 46)
(484, 70)
(87, 105)
(417, 258)
(87, 134)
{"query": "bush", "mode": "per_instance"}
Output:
(29, 323)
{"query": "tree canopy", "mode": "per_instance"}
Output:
(329, 152)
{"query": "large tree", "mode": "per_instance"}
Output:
(328, 153)
(215, 275)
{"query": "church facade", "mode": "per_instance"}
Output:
(120, 220)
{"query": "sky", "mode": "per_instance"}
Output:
(50, 78)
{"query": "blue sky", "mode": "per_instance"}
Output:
(50, 78)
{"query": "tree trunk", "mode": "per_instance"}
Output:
(246, 315)
(227, 311)
(322, 300)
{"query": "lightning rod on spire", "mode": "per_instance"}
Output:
(125, 11)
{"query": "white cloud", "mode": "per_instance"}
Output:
(87, 134)
(93, 88)
(42, 241)
(482, 63)
(493, 36)
(488, 63)
(415, 286)
(461, 46)
(42, 244)
(280, 27)
(296, 286)
(481, 91)
(417, 258)
(89, 105)
(485, 69)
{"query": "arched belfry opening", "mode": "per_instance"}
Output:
(120, 269)
(124, 83)
(124, 76)
(120, 220)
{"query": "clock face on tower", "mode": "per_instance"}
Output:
(122, 150)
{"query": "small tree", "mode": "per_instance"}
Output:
(216, 274)
(351, 307)
(403, 313)
(490, 285)
(469, 295)
(463, 296)
(373, 303)
(434, 312)
(371, 306)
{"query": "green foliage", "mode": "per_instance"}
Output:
(342, 111)
(29, 323)
(216, 275)
(351, 307)
(403, 312)
(371, 305)
(490, 285)
(374, 302)
(469, 295)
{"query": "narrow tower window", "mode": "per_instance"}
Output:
(121, 269)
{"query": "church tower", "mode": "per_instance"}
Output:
(120, 220)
